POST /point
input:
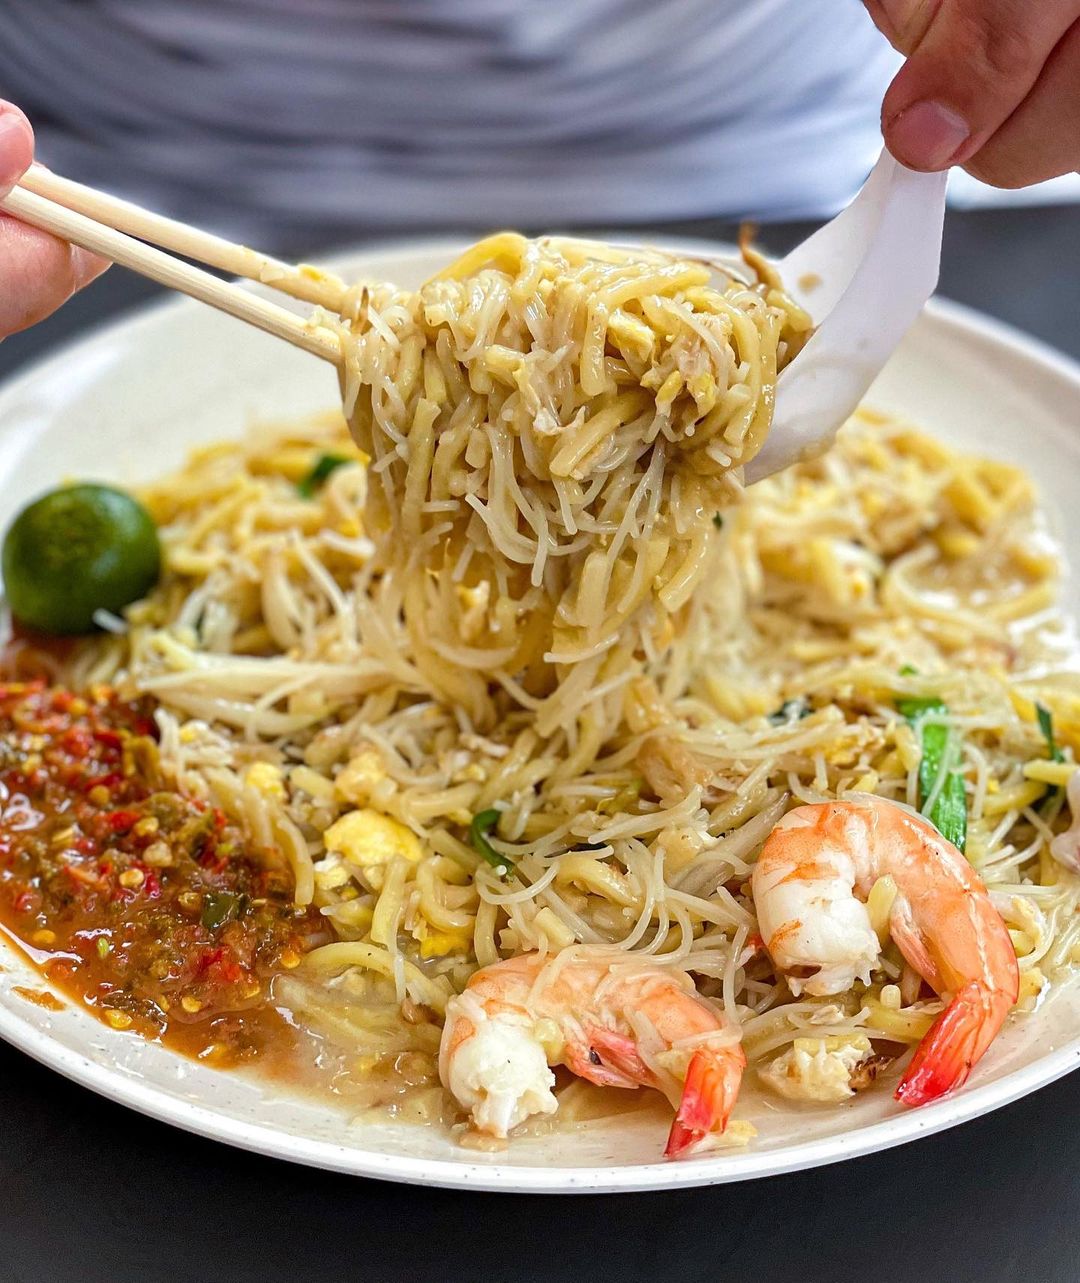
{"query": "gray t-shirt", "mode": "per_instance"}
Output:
(303, 122)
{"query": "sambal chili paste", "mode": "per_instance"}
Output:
(145, 904)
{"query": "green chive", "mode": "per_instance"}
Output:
(482, 824)
(1046, 725)
(1053, 752)
(324, 466)
(940, 751)
(789, 711)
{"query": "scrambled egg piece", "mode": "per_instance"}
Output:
(437, 944)
(332, 873)
(355, 782)
(370, 840)
(817, 1069)
(267, 778)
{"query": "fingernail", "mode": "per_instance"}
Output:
(927, 135)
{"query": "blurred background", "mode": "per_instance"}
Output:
(302, 123)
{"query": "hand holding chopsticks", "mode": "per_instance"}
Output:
(118, 230)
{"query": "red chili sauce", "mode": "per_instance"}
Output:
(145, 905)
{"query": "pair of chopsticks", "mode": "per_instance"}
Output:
(126, 234)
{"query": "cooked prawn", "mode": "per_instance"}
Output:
(608, 1019)
(810, 883)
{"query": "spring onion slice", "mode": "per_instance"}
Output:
(939, 751)
(482, 824)
(1046, 725)
(324, 466)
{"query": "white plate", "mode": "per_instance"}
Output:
(130, 401)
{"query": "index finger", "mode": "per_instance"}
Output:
(16, 146)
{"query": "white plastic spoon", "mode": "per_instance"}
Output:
(864, 277)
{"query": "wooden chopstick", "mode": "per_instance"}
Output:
(172, 272)
(308, 284)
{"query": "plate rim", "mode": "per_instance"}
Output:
(493, 1174)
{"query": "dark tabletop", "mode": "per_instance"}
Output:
(90, 1191)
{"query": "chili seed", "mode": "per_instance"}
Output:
(147, 825)
(189, 901)
(99, 795)
(119, 1019)
(43, 937)
(191, 1005)
(132, 879)
(289, 959)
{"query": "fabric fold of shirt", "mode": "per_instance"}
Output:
(315, 120)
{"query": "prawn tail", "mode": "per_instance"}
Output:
(955, 1042)
(709, 1092)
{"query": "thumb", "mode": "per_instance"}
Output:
(970, 65)
(16, 146)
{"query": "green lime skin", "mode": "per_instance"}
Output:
(75, 551)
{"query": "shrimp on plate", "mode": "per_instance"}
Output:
(609, 1019)
(810, 885)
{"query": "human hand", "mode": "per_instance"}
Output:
(992, 85)
(37, 271)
